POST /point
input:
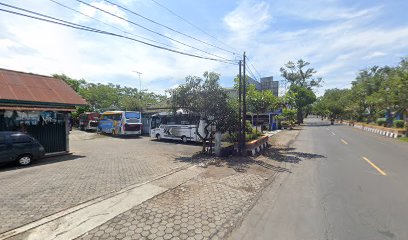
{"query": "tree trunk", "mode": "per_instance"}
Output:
(300, 116)
(257, 122)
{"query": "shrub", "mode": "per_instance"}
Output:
(381, 122)
(399, 123)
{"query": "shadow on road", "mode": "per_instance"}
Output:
(44, 161)
(283, 154)
(269, 159)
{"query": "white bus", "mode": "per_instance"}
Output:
(177, 126)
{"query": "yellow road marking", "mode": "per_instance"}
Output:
(344, 141)
(375, 166)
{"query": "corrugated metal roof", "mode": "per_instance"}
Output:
(20, 86)
(37, 109)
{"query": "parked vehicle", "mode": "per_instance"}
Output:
(88, 121)
(176, 126)
(121, 123)
(19, 147)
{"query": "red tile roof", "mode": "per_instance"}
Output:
(20, 86)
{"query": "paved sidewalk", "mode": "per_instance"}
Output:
(207, 207)
(99, 165)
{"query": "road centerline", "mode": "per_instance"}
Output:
(375, 166)
(344, 141)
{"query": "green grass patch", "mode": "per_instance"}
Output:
(404, 139)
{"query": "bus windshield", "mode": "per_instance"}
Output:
(130, 115)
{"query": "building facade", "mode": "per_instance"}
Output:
(267, 83)
(38, 105)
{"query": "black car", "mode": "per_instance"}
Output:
(19, 147)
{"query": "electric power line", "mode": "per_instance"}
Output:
(256, 71)
(195, 26)
(167, 27)
(90, 29)
(250, 72)
(43, 15)
(147, 29)
(110, 25)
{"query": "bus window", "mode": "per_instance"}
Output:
(155, 123)
(130, 115)
(117, 117)
(164, 120)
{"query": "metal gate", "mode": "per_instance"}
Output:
(52, 136)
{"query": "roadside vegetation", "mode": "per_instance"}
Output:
(378, 95)
(102, 97)
(204, 97)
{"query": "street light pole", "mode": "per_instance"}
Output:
(140, 84)
(239, 109)
(244, 109)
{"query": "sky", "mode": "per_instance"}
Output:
(338, 38)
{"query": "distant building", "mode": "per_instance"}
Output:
(257, 84)
(267, 83)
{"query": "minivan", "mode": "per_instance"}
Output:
(19, 147)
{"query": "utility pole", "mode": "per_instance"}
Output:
(239, 110)
(140, 84)
(244, 105)
(140, 81)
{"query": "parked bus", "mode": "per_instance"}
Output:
(88, 121)
(178, 126)
(121, 123)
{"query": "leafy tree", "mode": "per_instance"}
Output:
(299, 97)
(76, 85)
(102, 97)
(335, 101)
(204, 96)
(260, 101)
(301, 81)
(289, 114)
(297, 74)
(376, 92)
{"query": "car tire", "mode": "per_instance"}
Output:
(24, 160)
(184, 139)
(158, 137)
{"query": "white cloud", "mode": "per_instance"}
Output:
(375, 54)
(322, 10)
(345, 43)
(103, 16)
(249, 18)
(7, 43)
(95, 57)
(336, 47)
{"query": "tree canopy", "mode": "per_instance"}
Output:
(301, 80)
(203, 96)
(376, 92)
(102, 97)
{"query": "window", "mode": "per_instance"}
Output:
(117, 117)
(129, 115)
(20, 139)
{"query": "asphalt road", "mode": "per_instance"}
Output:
(349, 184)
